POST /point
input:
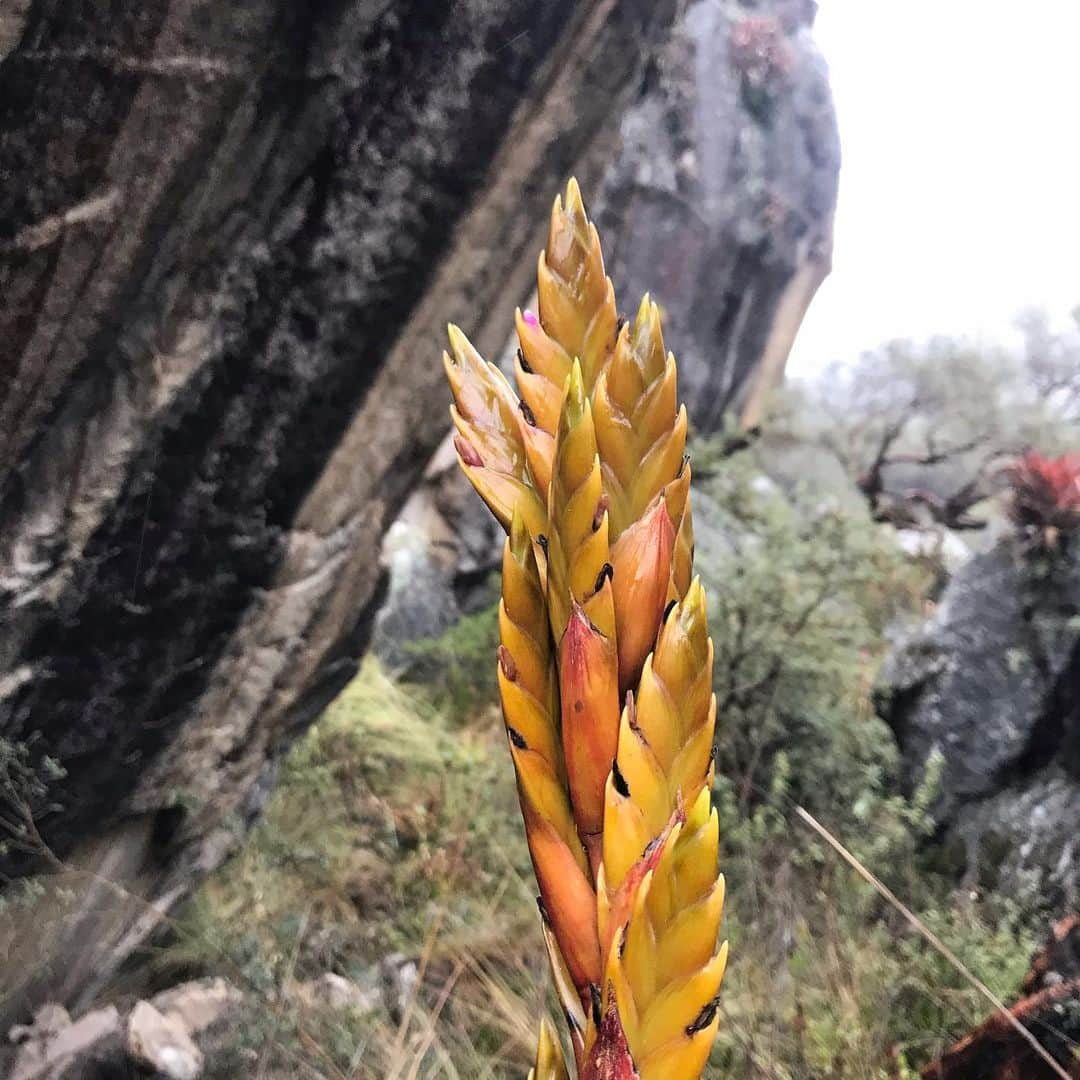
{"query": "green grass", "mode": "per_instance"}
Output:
(391, 830)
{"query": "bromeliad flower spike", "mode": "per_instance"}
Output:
(605, 663)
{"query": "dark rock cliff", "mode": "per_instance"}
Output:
(230, 234)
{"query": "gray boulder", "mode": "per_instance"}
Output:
(440, 555)
(161, 1044)
(54, 1047)
(992, 683)
(156, 1037)
(333, 991)
(420, 602)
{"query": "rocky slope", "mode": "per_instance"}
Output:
(990, 682)
(229, 235)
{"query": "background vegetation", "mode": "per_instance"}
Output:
(391, 852)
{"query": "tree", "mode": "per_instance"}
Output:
(927, 430)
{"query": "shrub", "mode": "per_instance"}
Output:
(457, 669)
(827, 980)
(1046, 493)
(802, 597)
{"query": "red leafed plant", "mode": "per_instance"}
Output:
(1046, 494)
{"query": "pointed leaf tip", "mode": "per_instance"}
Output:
(520, 541)
(575, 399)
(695, 595)
(549, 1057)
(574, 203)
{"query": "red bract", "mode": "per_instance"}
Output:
(610, 1058)
(1046, 492)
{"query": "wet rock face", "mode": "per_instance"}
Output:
(991, 682)
(230, 236)
(722, 197)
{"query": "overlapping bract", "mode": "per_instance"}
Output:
(604, 664)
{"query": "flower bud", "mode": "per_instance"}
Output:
(568, 900)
